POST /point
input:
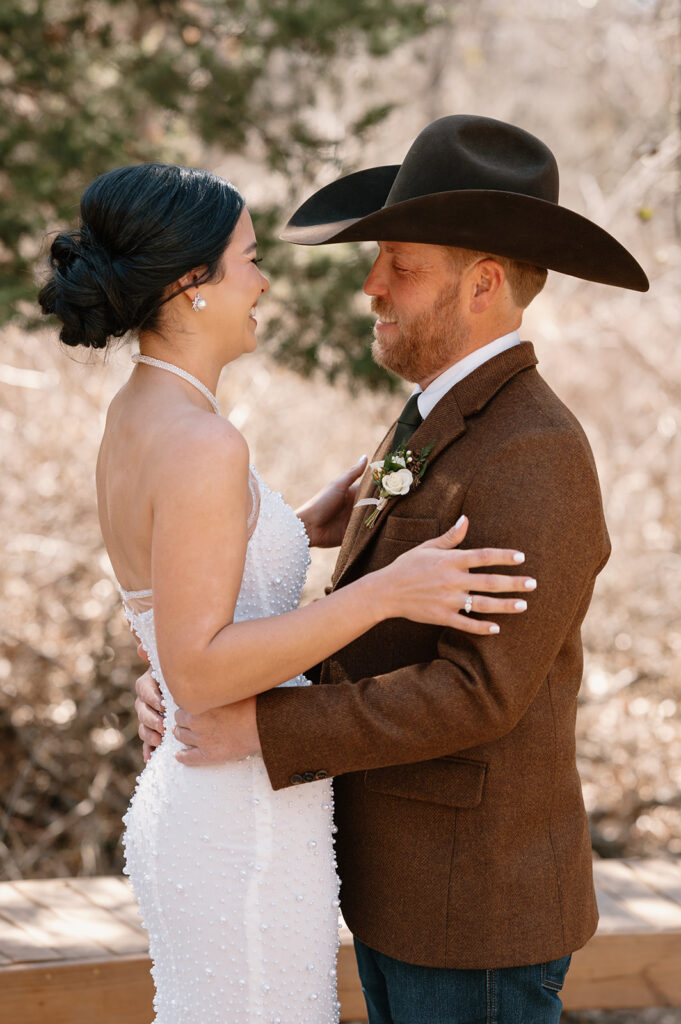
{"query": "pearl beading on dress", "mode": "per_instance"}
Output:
(237, 883)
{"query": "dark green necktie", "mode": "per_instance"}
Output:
(407, 422)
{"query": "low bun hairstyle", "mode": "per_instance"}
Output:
(141, 228)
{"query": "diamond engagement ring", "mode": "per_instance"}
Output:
(468, 607)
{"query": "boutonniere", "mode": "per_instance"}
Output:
(395, 476)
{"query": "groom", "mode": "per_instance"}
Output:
(463, 845)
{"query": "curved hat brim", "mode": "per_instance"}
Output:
(509, 224)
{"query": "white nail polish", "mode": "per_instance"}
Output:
(520, 606)
(460, 521)
(519, 558)
(494, 628)
(530, 584)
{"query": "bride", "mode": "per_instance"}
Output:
(236, 883)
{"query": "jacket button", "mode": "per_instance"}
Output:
(321, 774)
(296, 780)
(308, 776)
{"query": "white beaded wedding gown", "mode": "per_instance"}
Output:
(236, 883)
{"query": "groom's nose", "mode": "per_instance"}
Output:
(376, 282)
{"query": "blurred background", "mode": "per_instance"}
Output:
(282, 96)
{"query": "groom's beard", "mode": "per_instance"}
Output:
(427, 343)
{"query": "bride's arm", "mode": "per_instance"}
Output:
(198, 549)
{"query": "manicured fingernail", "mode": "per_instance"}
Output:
(520, 606)
(530, 584)
(460, 521)
(494, 628)
(519, 557)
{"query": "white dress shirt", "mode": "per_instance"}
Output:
(436, 390)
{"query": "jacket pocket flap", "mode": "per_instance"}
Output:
(453, 781)
(410, 529)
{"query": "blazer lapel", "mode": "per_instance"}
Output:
(356, 527)
(445, 424)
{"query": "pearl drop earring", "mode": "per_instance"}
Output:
(198, 303)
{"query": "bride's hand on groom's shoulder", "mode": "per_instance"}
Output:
(325, 517)
(437, 582)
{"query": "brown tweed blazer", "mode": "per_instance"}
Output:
(463, 840)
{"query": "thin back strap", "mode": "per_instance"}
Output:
(133, 595)
(136, 602)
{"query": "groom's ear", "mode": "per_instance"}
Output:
(486, 280)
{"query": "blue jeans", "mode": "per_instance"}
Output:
(400, 993)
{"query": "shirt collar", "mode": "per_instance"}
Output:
(428, 399)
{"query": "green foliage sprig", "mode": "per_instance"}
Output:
(87, 85)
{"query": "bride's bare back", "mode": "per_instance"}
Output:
(148, 423)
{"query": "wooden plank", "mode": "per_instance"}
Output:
(81, 919)
(40, 927)
(19, 946)
(618, 880)
(664, 876)
(112, 991)
(615, 918)
(625, 972)
(632, 961)
(618, 972)
(120, 991)
(632, 970)
(111, 894)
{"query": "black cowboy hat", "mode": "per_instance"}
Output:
(472, 182)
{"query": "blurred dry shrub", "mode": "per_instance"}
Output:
(600, 93)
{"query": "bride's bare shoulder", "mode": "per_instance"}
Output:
(199, 445)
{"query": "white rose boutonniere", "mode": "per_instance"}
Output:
(397, 482)
(395, 476)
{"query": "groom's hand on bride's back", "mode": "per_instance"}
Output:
(150, 712)
(223, 734)
(229, 733)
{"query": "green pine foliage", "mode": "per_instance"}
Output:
(86, 85)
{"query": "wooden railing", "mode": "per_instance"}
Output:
(72, 950)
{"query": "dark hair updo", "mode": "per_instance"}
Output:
(141, 228)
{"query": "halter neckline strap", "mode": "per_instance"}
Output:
(179, 372)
